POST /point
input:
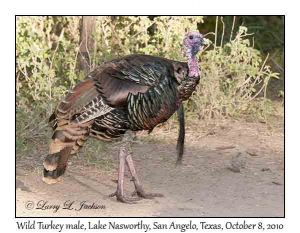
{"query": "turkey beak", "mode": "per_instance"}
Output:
(199, 39)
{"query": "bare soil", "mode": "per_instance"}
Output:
(230, 169)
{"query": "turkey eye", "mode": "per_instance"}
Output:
(191, 37)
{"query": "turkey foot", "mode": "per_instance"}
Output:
(122, 198)
(139, 191)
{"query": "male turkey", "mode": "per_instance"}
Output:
(125, 95)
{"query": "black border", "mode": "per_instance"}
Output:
(147, 216)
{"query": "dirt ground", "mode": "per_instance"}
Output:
(230, 169)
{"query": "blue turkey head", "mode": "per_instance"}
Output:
(191, 43)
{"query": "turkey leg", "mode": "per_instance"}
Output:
(125, 156)
(138, 187)
(125, 150)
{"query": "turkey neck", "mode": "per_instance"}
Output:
(194, 70)
(189, 83)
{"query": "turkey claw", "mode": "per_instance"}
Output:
(142, 194)
(122, 198)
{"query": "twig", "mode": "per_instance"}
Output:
(278, 66)
(263, 65)
(257, 93)
(216, 31)
(24, 73)
(209, 33)
(87, 49)
(233, 23)
(224, 148)
(263, 86)
(17, 81)
(223, 31)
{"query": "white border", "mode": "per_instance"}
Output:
(155, 7)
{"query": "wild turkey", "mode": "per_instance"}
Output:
(125, 95)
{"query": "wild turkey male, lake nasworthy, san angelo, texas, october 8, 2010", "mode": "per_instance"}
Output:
(122, 96)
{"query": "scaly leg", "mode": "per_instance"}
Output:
(125, 150)
(138, 187)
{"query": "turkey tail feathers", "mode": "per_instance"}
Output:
(55, 165)
(66, 140)
(72, 120)
(181, 136)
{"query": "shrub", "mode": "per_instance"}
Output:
(233, 75)
(46, 59)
